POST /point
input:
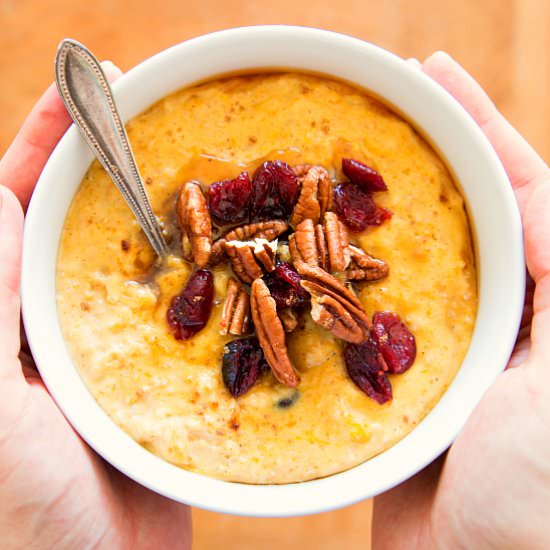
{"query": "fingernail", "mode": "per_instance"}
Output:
(1, 197)
(111, 70)
(107, 64)
(414, 62)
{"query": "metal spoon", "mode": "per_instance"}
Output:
(87, 95)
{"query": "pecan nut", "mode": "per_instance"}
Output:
(323, 245)
(235, 313)
(264, 252)
(315, 196)
(301, 169)
(195, 224)
(365, 267)
(333, 316)
(271, 334)
(250, 258)
(336, 236)
(333, 305)
(268, 230)
(308, 244)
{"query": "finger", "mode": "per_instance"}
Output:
(521, 350)
(527, 315)
(413, 62)
(11, 235)
(536, 224)
(407, 506)
(530, 178)
(522, 164)
(25, 158)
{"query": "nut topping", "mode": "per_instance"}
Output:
(308, 244)
(333, 305)
(243, 261)
(235, 313)
(365, 267)
(248, 257)
(332, 315)
(265, 253)
(195, 224)
(262, 230)
(315, 265)
(337, 242)
(271, 334)
(315, 194)
(323, 245)
(301, 170)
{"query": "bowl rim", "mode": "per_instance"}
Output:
(302, 46)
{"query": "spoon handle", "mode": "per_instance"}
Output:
(87, 95)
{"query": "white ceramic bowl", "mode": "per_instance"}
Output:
(496, 227)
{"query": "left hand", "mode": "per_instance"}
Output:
(55, 491)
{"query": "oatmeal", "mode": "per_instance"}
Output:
(375, 209)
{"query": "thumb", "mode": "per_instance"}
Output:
(408, 506)
(536, 223)
(11, 235)
(25, 158)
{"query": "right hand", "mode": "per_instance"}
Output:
(492, 490)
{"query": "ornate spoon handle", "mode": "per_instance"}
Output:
(87, 95)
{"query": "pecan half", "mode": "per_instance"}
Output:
(322, 249)
(262, 230)
(323, 245)
(265, 253)
(333, 305)
(235, 318)
(250, 258)
(195, 224)
(365, 267)
(271, 334)
(315, 196)
(336, 236)
(301, 169)
(308, 244)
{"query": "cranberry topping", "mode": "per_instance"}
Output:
(274, 191)
(189, 311)
(356, 208)
(284, 285)
(229, 200)
(395, 341)
(242, 364)
(367, 369)
(365, 177)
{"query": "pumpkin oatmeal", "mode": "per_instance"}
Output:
(320, 294)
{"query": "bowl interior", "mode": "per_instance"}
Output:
(497, 234)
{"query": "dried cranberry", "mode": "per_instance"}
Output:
(190, 310)
(364, 176)
(367, 369)
(284, 285)
(242, 364)
(274, 191)
(229, 200)
(395, 341)
(356, 208)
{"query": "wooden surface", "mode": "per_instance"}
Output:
(505, 44)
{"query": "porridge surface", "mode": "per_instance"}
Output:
(169, 395)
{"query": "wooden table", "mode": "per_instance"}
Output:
(505, 44)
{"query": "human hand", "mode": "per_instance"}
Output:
(492, 490)
(55, 491)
